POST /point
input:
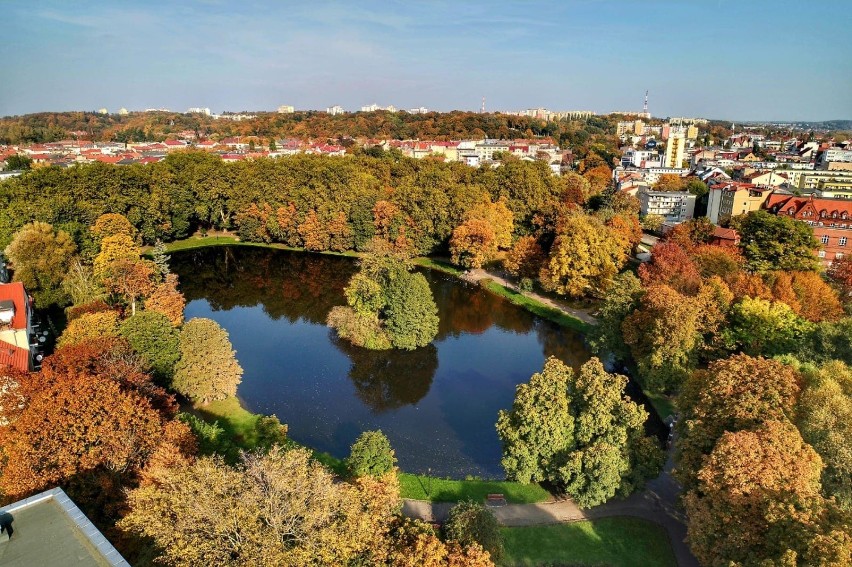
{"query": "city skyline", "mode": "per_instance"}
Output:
(598, 56)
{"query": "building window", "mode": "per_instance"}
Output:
(821, 253)
(838, 256)
(842, 241)
(824, 239)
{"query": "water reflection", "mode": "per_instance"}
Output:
(386, 380)
(438, 405)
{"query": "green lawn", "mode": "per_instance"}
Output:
(438, 265)
(618, 542)
(536, 307)
(420, 487)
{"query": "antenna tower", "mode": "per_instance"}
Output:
(645, 108)
(482, 109)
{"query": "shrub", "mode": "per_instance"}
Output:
(153, 337)
(90, 326)
(470, 522)
(371, 455)
(363, 330)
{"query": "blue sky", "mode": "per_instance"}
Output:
(739, 60)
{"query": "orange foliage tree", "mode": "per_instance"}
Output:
(526, 258)
(473, 243)
(819, 300)
(314, 232)
(670, 265)
(131, 279)
(757, 499)
(840, 272)
(168, 300)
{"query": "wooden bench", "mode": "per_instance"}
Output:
(495, 500)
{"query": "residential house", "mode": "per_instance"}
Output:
(673, 206)
(18, 342)
(831, 220)
(727, 200)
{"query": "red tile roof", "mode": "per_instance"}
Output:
(15, 292)
(16, 357)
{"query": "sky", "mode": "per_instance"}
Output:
(726, 59)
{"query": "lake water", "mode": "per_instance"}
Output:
(437, 405)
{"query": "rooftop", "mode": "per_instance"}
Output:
(50, 531)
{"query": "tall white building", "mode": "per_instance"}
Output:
(673, 206)
(286, 109)
(199, 110)
(336, 109)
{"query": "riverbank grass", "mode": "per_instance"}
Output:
(534, 306)
(617, 541)
(421, 487)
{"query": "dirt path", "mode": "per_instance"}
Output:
(478, 274)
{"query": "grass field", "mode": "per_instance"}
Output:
(618, 542)
(420, 487)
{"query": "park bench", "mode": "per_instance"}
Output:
(495, 500)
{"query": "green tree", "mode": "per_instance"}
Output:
(470, 522)
(411, 315)
(825, 420)
(777, 242)
(758, 326)
(371, 454)
(578, 431)
(208, 369)
(621, 299)
(153, 337)
(18, 161)
(90, 326)
(41, 257)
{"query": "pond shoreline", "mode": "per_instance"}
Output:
(413, 484)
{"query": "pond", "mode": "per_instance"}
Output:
(437, 405)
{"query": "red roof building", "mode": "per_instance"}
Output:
(15, 327)
(831, 220)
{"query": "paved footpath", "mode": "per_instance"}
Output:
(478, 274)
(657, 503)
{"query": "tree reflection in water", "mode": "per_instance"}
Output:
(389, 379)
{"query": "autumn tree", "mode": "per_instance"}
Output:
(473, 244)
(670, 182)
(691, 233)
(670, 265)
(279, 508)
(584, 258)
(74, 428)
(208, 369)
(80, 284)
(825, 420)
(131, 280)
(721, 261)
(253, 223)
(340, 233)
(167, 299)
(525, 259)
(777, 242)
(840, 273)
(90, 326)
(283, 226)
(371, 454)
(599, 178)
(818, 300)
(152, 335)
(314, 232)
(112, 224)
(664, 335)
(576, 430)
(739, 392)
(115, 249)
(756, 498)
(41, 257)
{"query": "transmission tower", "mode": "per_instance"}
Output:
(482, 109)
(645, 108)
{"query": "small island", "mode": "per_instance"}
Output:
(389, 306)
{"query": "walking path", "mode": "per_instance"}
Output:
(657, 503)
(478, 274)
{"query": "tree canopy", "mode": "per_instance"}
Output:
(208, 369)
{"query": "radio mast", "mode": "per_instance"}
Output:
(482, 109)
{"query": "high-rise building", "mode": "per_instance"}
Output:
(286, 109)
(674, 151)
(334, 110)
